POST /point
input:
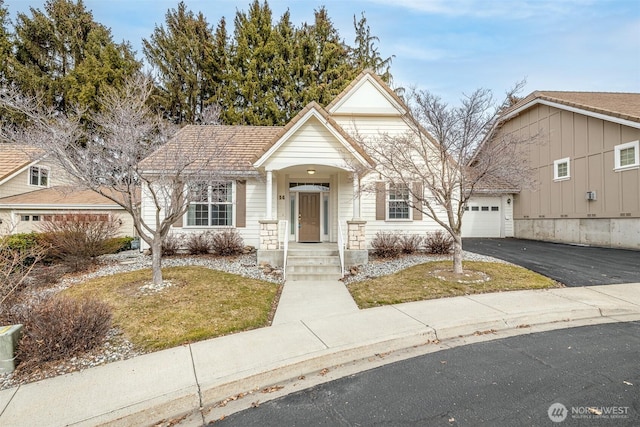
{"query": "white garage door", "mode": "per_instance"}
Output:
(482, 217)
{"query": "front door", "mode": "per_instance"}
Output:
(309, 217)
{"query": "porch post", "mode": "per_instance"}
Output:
(356, 196)
(269, 194)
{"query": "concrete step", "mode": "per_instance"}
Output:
(314, 277)
(313, 260)
(312, 252)
(329, 269)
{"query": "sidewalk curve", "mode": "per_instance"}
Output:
(193, 378)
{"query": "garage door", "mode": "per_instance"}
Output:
(482, 217)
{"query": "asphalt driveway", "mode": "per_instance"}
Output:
(567, 264)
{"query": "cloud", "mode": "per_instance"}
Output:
(524, 9)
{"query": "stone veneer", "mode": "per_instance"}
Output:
(269, 234)
(355, 235)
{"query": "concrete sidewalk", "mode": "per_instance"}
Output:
(193, 379)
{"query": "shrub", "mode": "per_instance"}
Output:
(386, 245)
(438, 242)
(119, 244)
(16, 264)
(171, 245)
(227, 242)
(21, 241)
(60, 327)
(198, 244)
(410, 243)
(77, 239)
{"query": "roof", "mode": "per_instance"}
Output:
(14, 157)
(218, 147)
(494, 185)
(59, 196)
(329, 121)
(625, 106)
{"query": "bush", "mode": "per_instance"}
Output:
(171, 245)
(22, 241)
(227, 242)
(198, 244)
(77, 239)
(60, 327)
(16, 264)
(439, 243)
(119, 244)
(410, 243)
(386, 245)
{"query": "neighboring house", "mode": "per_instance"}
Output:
(300, 182)
(588, 167)
(33, 190)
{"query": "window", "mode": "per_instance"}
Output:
(627, 156)
(35, 218)
(24, 217)
(485, 209)
(495, 209)
(475, 208)
(398, 202)
(39, 176)
(561, 169)
(212, 205)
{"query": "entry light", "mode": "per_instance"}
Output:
(311, 171)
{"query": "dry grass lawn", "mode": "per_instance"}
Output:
(420, 283)
(202, 303)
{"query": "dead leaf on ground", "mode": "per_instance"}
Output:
(627, 382)
(272, 389)
(255, 404)
(594, 411)
(324, 372)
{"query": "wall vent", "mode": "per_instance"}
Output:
(591, 195)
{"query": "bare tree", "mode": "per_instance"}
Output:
(108, 158)
(437, 164)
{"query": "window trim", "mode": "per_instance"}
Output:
(556, 165)
(617, 151)
(210, 203)
(388, 200)
(40, 168)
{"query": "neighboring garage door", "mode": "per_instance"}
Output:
(482, 217)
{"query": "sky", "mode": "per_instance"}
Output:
(447, 47)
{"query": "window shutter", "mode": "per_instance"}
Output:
(178, 223)
(381, 201)
(417, 189)
(241, 204)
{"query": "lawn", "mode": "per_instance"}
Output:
(434, 280)
(201, 303)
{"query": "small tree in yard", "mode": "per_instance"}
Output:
(437, 164)
(107, 157)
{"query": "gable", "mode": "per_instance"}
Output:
(367, 96)
(311, 143)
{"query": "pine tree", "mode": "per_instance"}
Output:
(182, 54)
(51, 50)
(365, 54)
(5, 44)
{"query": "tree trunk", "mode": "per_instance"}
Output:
(457, 254)
(156, 260)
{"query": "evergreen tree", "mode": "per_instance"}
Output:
(5, 43)
(183, 56)
(323, 68)
(251, 72)
(67, 57)
(365, 54)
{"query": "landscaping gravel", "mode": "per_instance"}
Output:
(116, 347)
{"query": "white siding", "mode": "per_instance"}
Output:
(313, 143)
(367, 97)
(20, 183)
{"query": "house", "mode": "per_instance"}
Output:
(300, 183)
(587, 167)
(33, 190)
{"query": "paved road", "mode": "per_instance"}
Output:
(570, 265)
(508, 382)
